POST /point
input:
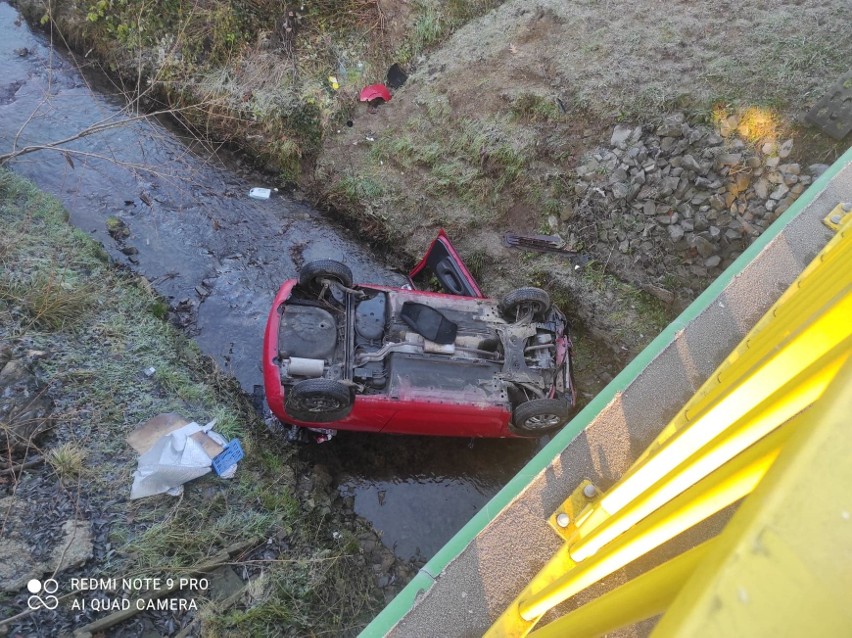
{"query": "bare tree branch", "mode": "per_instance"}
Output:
(103, 125)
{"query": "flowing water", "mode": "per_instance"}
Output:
(219, 256)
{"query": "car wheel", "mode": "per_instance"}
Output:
(314, 272)
(318, 401)
(540, 416)
(517, 302)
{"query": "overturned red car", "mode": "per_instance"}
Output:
(370, 358)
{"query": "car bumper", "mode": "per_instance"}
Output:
(271, 371)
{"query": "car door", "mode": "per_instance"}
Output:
(442, 260)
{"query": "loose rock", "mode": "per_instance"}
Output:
(620, 135)
(675, 232)
(71, 545)
(779, 192)
(704, 186)
(25, 407)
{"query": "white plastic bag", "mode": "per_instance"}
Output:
(172, 461)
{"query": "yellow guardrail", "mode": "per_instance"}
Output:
(780, 392)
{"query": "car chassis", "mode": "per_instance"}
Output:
(406, 361)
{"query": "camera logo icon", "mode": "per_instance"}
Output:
(48, 587)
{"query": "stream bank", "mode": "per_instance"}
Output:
(302, 552)
(499, 117)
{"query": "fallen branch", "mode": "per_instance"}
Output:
(70, 152)
(218, 560)
(20, 466)
(103, 125)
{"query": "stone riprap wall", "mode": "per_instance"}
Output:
(671, 206)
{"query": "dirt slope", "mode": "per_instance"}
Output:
(627, 57)
(486, 135)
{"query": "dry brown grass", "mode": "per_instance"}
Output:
(50, 302)
(629, 58)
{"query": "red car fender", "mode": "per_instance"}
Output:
(374, 91)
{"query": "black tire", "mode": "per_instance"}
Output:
(314, 272)
(535, 299)
(540, 416)
(318, 401)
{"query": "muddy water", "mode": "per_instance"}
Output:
(220, 256)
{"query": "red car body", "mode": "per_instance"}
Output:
(376, 343)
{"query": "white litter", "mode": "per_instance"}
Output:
(172, 461)
(260, 193)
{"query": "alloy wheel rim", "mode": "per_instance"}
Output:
(542, 421)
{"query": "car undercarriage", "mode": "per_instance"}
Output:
(339, 342)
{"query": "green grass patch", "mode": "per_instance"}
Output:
(49, 300)
(476, 161)
(287, 596)
(356, 188)
(436, 21)
(636, 312)
(532, 107)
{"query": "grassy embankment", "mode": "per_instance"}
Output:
(487, 133)
(98, 329)
(254, 73)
